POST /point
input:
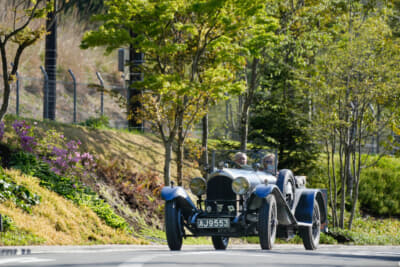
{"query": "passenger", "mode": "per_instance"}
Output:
(269, 164)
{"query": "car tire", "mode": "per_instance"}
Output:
(173, 225)
(268, 222)
(220, 242)
(311, 235)
(287, 185)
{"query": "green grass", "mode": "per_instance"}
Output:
(20, 238)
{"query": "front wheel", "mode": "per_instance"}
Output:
(220, 242)
(173, 225)
(311, 235)
(267, 222)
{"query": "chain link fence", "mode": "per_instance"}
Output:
(75, 102)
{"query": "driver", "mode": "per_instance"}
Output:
(269, 164)
(240, 159)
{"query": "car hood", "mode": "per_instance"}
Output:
(255, 177)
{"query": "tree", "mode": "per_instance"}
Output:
(355, 72)
(191, 57)
(22, 25)
(284, 125)
(259, 39)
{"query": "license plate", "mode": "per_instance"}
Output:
(213, 223)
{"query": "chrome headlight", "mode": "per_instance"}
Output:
(198, 186)
(240, 185)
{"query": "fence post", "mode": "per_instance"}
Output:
(101, 93)
(46, 94)
(17, 95)
(17, 92)
(73, 78)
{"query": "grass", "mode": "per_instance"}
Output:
(57, 221)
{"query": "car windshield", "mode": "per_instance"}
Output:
(227, 157)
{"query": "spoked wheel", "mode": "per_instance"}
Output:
(173, 225)
(286, 184)
(220, 242)
(268, 222)
(311, 235)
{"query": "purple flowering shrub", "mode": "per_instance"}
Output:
(25, 135)
(62, 155)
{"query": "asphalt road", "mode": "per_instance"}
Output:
(235, 255)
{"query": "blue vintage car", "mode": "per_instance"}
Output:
(245, 201)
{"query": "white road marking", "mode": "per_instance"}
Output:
(23, 260)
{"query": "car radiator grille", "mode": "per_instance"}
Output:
(220, 188)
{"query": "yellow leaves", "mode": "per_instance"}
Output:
(396, 130)
(12, 79)
(28, 36)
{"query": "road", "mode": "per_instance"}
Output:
(235, 255)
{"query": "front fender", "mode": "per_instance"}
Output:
(262, 190)
(305, 207)
(182, 199)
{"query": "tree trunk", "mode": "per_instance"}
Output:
(334, 209)
(179, 156)
(6, 93)
(179, 149)
(167, 162)
(248, 99)
(330, 182)
(244, 128)
(204, 146)
(342, 183)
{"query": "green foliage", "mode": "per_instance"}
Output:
(193, 51)
(19, 194)
(8, 224)
(65, 186)
(97, 123)
(380, 188)
(363, 236)
(20, 238)
(284, 126)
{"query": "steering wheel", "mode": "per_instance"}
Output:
(232, 164)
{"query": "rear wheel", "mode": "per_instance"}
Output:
(268, 222)
(173, 225)
(220, 242)
(287, 185)
(311, 235)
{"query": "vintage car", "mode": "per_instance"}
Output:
(245, 201)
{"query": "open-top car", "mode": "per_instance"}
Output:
(245, 201)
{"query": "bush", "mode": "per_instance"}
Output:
(380, 188)
(18, 194)
(97, 123)
(141, 191)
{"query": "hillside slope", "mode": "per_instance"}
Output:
(128, 178)
(56, 220)
(140, 152)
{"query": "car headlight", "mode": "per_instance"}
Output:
(198, 186)
(240, 185)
